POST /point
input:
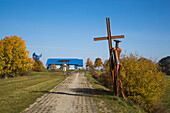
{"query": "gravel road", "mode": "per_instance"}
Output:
(73, 95)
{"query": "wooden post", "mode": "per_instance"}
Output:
(111, 49)
(111, 56)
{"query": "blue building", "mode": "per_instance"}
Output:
(72, 63)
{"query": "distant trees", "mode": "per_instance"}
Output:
(164, 63)
(98, 63)
(14, 58)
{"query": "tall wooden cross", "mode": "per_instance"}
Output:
(109, 37)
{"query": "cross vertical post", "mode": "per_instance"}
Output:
(115, 75)
(111, 56)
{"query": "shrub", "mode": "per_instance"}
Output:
(38, 66)
(106, 80)
(141, 78)
(142, 81)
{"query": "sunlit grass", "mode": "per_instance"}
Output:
(18, 93)
(166, 96)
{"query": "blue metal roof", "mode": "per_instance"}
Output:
(69, 61)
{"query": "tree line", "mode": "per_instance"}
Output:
(164, 64)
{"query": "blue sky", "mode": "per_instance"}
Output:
(66, 28)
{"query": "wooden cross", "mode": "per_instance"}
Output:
(109, 37)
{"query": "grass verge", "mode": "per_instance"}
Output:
(106, 102)
(18, 93)
(166, 97)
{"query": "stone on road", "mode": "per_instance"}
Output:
(73, 95)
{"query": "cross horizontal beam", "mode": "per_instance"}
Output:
(106, 38)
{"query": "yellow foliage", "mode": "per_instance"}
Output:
(98, 63)
(14, 56)
(53, 66)
(89, 62)
(38, 66)
(142, 81)
(64, 64)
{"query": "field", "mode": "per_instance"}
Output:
(18, 93)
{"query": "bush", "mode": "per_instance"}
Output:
(38, 66)
(106, 80)
(142, 81)
(96, 75)
(141, 78)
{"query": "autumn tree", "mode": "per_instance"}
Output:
(2, 62)
(98, 63)
(89, 63)
(53, 66)
(14, 58)
(38, 66)
(64, 64)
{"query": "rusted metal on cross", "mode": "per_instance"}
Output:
(116, 51)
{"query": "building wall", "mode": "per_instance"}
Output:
(59, 62)
(60, 66)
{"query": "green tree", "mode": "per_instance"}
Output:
(98, 63)
(164, 63)
(14, 56)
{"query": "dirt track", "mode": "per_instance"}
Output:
(73, 95)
